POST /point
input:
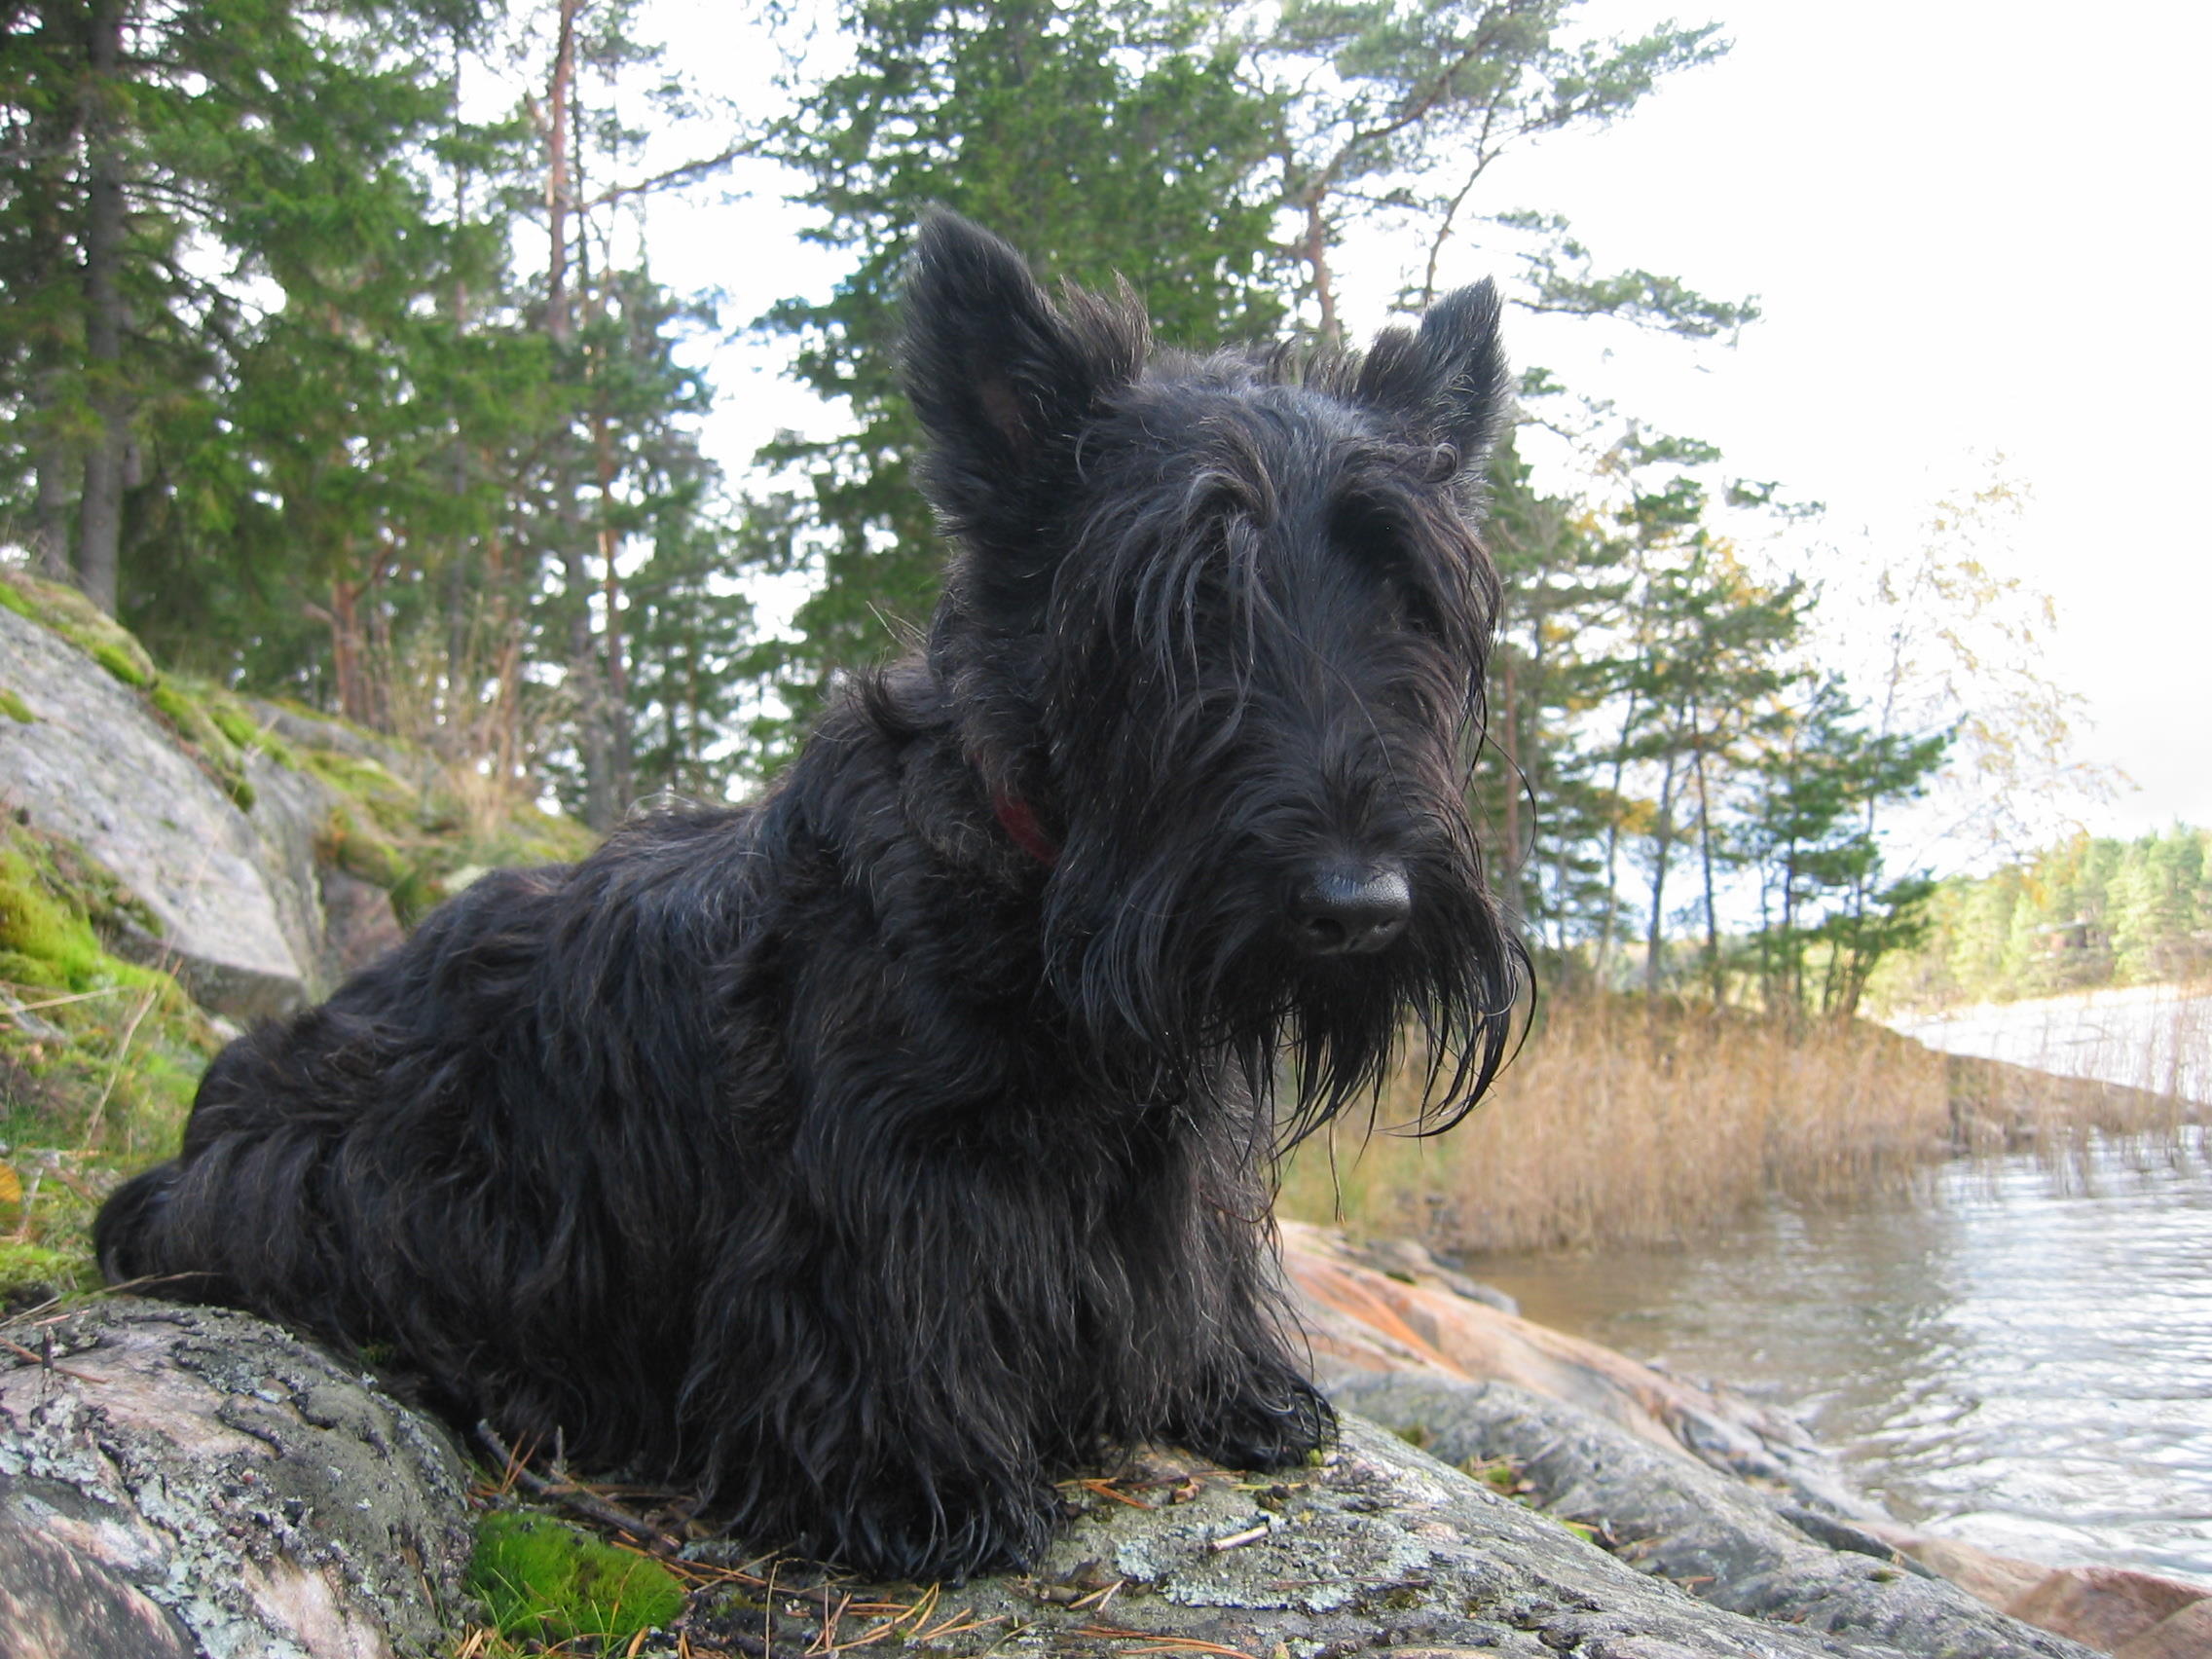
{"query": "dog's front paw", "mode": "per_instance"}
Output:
(1273, 1425)
(954, 1539)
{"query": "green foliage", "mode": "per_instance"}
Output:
(539, 1577)
(15, 708)
(1812, 834)
(2083, 914)
(1393, 114)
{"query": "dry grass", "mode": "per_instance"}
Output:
(1618, 1126)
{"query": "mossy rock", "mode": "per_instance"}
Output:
(77, 619)
(47, 937)
(113, 1050)
(237, 722)
(207, 734)
(542, 1578)
(16, 709)
(392, 803)
(361, 849)
(31, 1273)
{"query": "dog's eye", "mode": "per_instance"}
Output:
(1381, 546)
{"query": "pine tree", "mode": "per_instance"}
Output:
(1393, 113)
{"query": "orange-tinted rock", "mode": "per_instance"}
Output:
(2105, 1607)
(2185, 1634)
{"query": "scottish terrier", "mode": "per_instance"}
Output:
(870, 1155)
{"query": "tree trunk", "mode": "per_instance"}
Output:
(50, 522)
(1512, 860)
(1662, 852)
(586, 680)
(1607, 928)
(1705, 856)
(1316, 254)
(99, 520)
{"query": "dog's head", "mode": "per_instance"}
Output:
(1216, 629)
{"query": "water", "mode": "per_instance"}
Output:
(2021, 1362)
(2154, 1037)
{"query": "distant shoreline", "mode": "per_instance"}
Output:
(2154, 1037)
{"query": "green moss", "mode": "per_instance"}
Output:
(77, 619)
(361, 850)
(40, 930)
(236, 724)
(118, 662)
(390, 803)
(33, 1272)
(539, 1577)
(16, 709)
(113, 1055)
(209, 737)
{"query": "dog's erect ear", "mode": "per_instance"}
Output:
(1004, 380)
(1450, 378)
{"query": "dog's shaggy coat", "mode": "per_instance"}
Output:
(870, 1154)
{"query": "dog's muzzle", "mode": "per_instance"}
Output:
(1349, 909)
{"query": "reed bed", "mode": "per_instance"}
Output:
(1623, 1125)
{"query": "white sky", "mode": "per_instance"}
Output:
(1976, 228)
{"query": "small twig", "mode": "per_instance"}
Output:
(565, 1488)
(1237, 1541)
(45, 1361)
(58, 1002)
(1104, 1490)
(1155, 1642)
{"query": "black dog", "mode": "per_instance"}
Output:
(867, 1154)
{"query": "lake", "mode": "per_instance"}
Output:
(2022, 1360)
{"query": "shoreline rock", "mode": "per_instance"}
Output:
(1398, 1338)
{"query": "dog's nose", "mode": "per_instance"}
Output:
(1346, 908)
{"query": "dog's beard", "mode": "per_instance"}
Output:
(1179, 969)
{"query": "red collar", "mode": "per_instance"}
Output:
(1017, 819)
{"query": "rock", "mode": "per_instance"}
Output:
(2185, 1634)
(55, 1603)
(1362, 1321)
(195, 1482)
(1996, 1579)
(1665, 1511)
(359, 924)
(2106, 1607)
(98, 767)
(1382, 1549)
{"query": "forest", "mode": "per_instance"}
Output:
(335, 367)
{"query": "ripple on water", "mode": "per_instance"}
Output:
(2022, 1363)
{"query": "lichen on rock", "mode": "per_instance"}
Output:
(268, 1500)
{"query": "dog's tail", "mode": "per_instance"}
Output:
(128, 1235)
